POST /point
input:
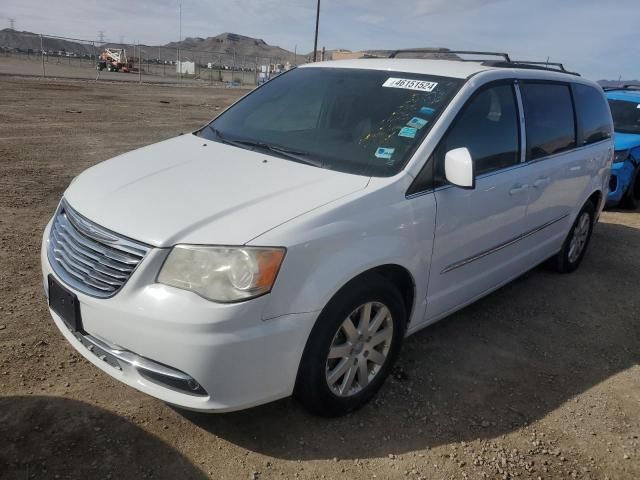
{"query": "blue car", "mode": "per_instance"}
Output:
(624, 186)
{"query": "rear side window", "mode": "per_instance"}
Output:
(549, 117)
(488, 126)
(593, 114)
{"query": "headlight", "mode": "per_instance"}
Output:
(222, 274)
(621, 156)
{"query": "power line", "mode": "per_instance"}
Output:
(101, 36)
(12, 23)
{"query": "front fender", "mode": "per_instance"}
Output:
(338, 243)
(314, 278)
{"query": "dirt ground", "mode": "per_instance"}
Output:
(539, 380)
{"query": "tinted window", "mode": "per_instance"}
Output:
(626, 116)
(549, 117)
(367, 122)
(488, 126)
(593, 114)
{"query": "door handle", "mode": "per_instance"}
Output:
(541, 182)
(517, 189)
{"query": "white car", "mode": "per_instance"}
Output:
(290, 245)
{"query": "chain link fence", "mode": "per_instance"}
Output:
(53, 56)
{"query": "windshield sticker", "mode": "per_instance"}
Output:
(427, 111)
(408, 84)
(408, 132)
(417, 123)
(385, 153)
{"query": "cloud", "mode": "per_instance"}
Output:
(370, 19)
(426, 7)
(591, 36)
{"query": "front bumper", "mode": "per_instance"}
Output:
(621, 178)
(239, 359)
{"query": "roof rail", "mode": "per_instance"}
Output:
(526, 64)
(623, 87)
(559, 66)
(504, 62)
(505, 56)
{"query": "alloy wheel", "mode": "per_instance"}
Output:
(359, 349)
(580, 237)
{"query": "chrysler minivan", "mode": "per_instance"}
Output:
(292, 243)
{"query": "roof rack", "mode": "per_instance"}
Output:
(623, 87)
(526, 64)
(504, 62)
(505, 56)
(551, 65)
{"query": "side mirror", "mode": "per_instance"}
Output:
(458, 168)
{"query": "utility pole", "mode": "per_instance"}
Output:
(139, 65)
(295, 55)
(101, 36)
(12, 23)
(180, 40)
(44, 73)
(315, 43)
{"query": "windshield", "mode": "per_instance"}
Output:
(626, 116)
(366, 122)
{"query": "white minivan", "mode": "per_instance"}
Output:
(291, 244)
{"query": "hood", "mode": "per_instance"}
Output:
(192, 190)
(626, 141)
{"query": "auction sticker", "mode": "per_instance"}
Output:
(427, 111)
(408, 84)
(408, 132)
(417, 122)
(385, 153)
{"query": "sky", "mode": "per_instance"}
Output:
(599, 39)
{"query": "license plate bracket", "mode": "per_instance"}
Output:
(65, 304)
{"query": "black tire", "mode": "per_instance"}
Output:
(564, 261)
(631, 199)
(312, 385)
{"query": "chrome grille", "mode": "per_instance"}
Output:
(90, 258)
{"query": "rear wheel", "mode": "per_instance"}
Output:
(352, 347)
(576, 243)
(631, 199)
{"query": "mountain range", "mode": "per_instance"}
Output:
(199, 49)
(191, 47)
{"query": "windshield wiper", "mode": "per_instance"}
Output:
(224, 139)
(295, 155)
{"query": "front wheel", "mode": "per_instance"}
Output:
(352, 347)
(576, 243)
